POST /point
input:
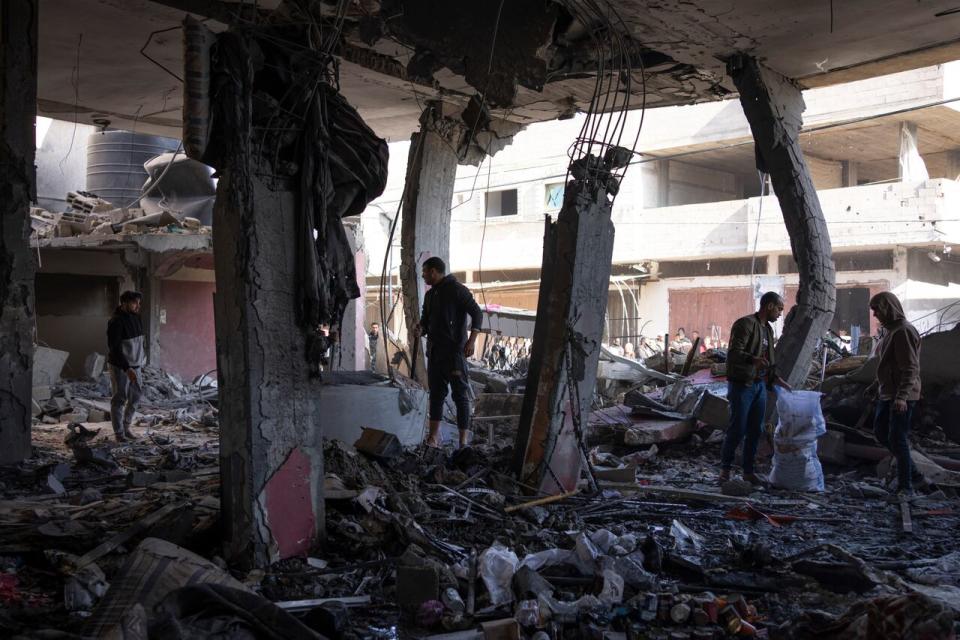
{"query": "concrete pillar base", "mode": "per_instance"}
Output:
(577, 258)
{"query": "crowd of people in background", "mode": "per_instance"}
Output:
(679, 344)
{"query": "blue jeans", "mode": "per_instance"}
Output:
(892, 430)
(748, 405)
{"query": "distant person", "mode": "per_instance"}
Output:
(897, 385)
(681, 343)
(644, 349)
(374, 339)
(443, 321)
(616, 348)
(707, 344)
(751, 372)
(126, 358)
(629, 351)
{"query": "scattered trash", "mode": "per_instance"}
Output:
(497, 566)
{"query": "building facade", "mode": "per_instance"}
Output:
(698, 233)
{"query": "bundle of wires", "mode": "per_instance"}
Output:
(599, 148)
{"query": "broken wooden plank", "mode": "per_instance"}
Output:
(905, 517)
(541, 501)
(667, 359)
(688, 363)
(305, 605)
(140, 526)
(672, 492)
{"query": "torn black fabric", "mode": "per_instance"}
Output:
(298, 133)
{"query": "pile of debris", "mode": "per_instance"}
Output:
(57, 400)
(429, 543)
(88, 214)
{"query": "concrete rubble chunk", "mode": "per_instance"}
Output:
(48, 365)
(713, 410)
(41, 392)
(93, 365)
(378, 444)
(647, 432)
(831, 448)
(736, 487)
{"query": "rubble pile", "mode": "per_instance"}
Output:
(73, 511)
(422, 543)
(437, 543)
(451, 545)
(88, 214)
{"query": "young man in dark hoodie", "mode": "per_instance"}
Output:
(751, 373)
(126, 357)
(444, 320)
(897, 386)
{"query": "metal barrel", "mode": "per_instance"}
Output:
(115, 163)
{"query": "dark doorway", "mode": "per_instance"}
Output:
(852, 309)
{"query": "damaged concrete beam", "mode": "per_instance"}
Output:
(774, 108)
(18, 111)
(577, 258)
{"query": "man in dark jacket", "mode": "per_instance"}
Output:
(443, 320)
(897, 386)
(126, 358)
(751, 372)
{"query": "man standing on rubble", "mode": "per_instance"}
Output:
(443, 321)
(897, 385)
(126, 358)
(751, 372)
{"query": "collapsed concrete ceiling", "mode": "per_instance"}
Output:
(94, 64)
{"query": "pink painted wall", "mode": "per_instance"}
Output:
(188, 337)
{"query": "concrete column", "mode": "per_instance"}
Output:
(150, 311)
(577, 258)
(351, 354)
(663, 183)
(773, 264)
(271, 454)
(953, 165)
(18, 111)
(849, 173)
(912, 168)
(425, 226)
(774, 106)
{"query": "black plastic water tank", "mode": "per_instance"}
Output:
(115, 163)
